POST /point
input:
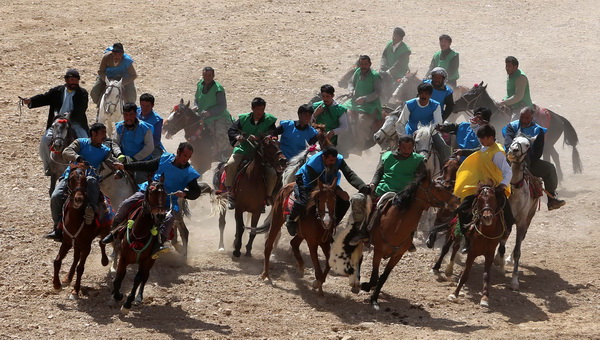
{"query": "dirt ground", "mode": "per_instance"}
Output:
(284, 51)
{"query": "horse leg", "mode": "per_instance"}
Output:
(221, 231)
(464, 276)
(487, 272)
(450, 266)
(104, 257)
(253, 223)
(120, 275)
(76, 256)
(62, 252)
(445, 248)
(514, 284)
(388, 269)
(326, 248)
(295, 243)
(136, 283)
(53, 180)
(239, 231)
(144, 277)
(85, 251)
(270, 241)
(116, 245)
(185, 234)
(366, 286)
(499, 258)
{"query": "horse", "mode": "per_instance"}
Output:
(62, 136)
(394, 222)
(110, 109)
(522, 201)
(386, 136)
(136, 246)
(488, 230)
(250, 190)
(501, 115)
(184, 118)
(317, 227)
(77, 234)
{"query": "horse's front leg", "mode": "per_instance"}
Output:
(487, 272)
(388, 269)
(137, 280)
(319, 277)
(104, 258)
(253, 223)
(62, 252)
(76, 256)
(514, 283)
(221, 231)
(144, 278)
(239, 231)
(85, 251)
(119, 276)
(464, 276)
(116, 245)
(295, 243)
(366, 286)
(445, 248)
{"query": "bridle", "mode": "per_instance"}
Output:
(431, 200)
(110, 107)
(495, 214)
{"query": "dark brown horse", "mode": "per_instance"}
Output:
(137, 244)
(395, 223)
(251, 190)
(76, 234)
(196, 133)
(62, 136)
(316, 227)
(487, 231)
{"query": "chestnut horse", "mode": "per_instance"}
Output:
(488, 230)
(77, 234)
(317, 227)
(395, 222)
(136, 246)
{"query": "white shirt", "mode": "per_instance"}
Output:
(500, 160)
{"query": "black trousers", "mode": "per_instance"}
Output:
(547, 172)
(302, 197)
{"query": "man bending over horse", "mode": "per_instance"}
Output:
(211, 104)
(147, 114)
(181, 181)
(246, 131)
(69, 99)
(423, 110)
(396, 170)
(133, 139)
(537, 165)
(115, 65)
(295, 135)
(331, 114)
(324, 166)
(466, 132)
(484, 166)
(83, 151)
(517, 87)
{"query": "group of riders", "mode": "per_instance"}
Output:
(136, 144)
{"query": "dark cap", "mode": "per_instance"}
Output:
(118, 48)
(72, 73)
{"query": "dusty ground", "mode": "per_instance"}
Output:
(283, 51)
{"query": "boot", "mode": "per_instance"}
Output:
(55, 235)
(291, 225)
(160, 247)
(466, 246)
(431, 239)
(109, 238)
(230, 200)
(412, 247)
(88, 215)
(362, 235)
(555, 203)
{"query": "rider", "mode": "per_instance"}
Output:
(537, 166)
(82, 150)
(133, 139)
(423, 110)
(295, 135)
(331, 114)
(324, 166)
(446, 58)
(396, 170)
(211, 102)
(466, 132)
(395, 56)
(487, 164)
(69, 99)
(442, 93)
(147, 114)
(517, 87)
(245, 131)
(115, 65)
(365, 88)
(181, 181)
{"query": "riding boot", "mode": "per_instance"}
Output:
(362, 235)
(109, 238)
(555, 203)
(160, 247)
(89, 214)
(291, 223)
(55, 234)
(463, 222)
(431, 239)
(230, 199)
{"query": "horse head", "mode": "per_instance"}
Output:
(486, 204)
(472, 99)
(112, 101)
(424, 140)
(182, 117)
(519, 147)
(438, 194)
(324, 199)
(407, 88)
(324, 141)
(62, 134)
(387, 132)
(271, 153)
(77, 185)
(155, 200)
(448, 176)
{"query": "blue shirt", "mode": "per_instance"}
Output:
(293, 140)
(418, 114)
(156, 121)
(119, 71)
(316, 164)
(91, 154)
(132, 141)
(440, 95)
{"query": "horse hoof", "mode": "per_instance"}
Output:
(248, 254)
(375, 304)
(484, 302)
(124, 310)
(137, 302)
(452, 297)
(112, 302)
(514, 286)
(237, 253)
(365, 286)
(316, 284)
(355, 289)
(221, 249)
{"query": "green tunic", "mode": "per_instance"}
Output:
(209, 99)
(363, 87)
(445, 63)
(248, 128)
(510, 90)
(330, 117)
(397, 174)
(392, 57)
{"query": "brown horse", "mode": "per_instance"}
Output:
(395, 223)
(488, 230)
(137, 244)
(250, 190)
(316, 227)
(77, 234)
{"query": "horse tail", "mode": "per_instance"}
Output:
(571, 139)
(218, 201)
(184, 205)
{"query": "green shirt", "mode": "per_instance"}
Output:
(208, 100)
(445, 63)
(248, 128)
(391, 57)
(511, 88)
(397, 174)
(330, 117)
(363, 87)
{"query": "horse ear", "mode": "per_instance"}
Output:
(181, 102)
(481, 84)
(188, 104)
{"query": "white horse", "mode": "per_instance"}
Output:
(386, 136)
(111, 105)
(523, 205)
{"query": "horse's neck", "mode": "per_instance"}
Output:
(143, 223)
(517, 172)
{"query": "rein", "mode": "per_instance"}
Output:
(497, 213)
(110, 107)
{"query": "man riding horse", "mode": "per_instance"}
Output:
(447, 59)
(324, 166)
(245, 131)
(147, 114)
(517, 87)
(83, 151)
(484, 166)
(395, 56)
(537, 166)
(331, 114)
(180, 180)
(115, 65)
(442, 93)
(295, 135)
(69, 99)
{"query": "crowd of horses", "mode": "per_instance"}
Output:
(393, 223)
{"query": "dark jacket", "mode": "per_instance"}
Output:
(54, 98)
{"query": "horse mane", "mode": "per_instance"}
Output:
(403, 199)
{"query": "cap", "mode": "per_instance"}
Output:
(72, 73)
(118, 48)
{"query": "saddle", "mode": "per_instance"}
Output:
(132, 214)
(288, 203)
(536, 187)
(542, 116)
